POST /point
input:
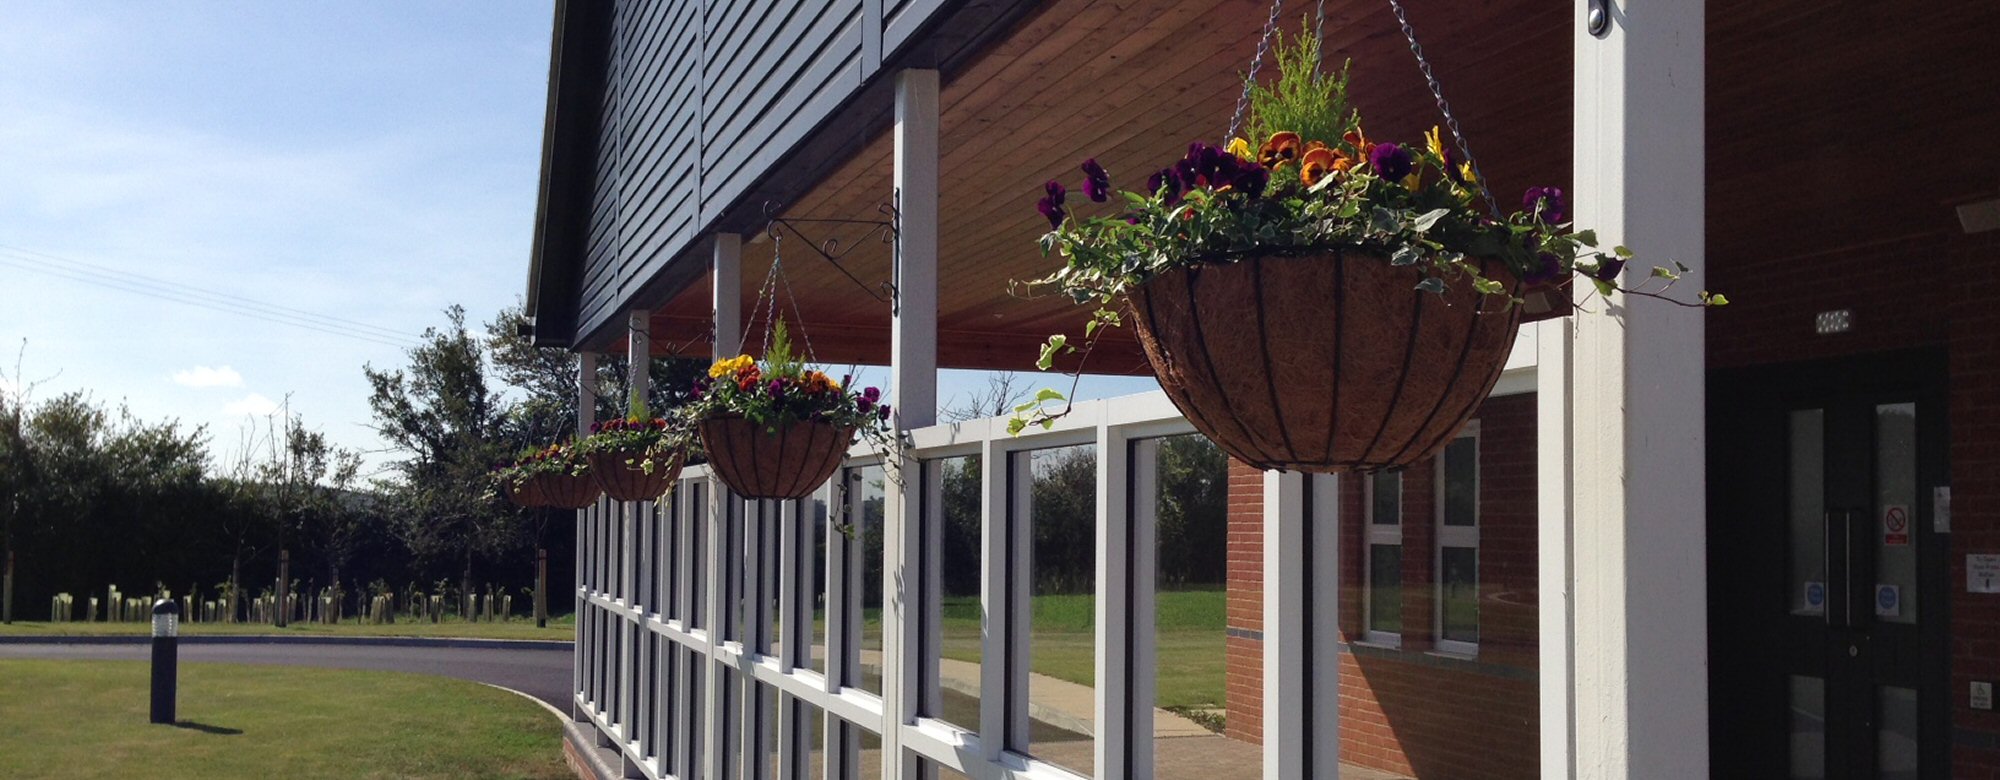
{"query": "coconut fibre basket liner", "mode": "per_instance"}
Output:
(1325, 362)
(789, 462)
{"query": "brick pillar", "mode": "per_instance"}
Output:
(1245, 691)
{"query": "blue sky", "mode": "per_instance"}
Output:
(375, 162)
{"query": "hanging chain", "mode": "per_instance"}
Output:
(1263, 48)
(1450, 122)
(767, 300)
(767, 297)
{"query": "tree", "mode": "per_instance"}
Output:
(441, 414)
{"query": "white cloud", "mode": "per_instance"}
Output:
(203, 376)
(252, 405)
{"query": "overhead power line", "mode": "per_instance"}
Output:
(177, 292)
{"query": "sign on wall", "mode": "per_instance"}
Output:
(1895, 526)
(1982, 573)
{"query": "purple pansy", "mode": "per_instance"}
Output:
(1096, 182)
(1051, 205)
(1391, 161)
(1608, 269)
(1547, 203)
(884, 412)
(1166, 183)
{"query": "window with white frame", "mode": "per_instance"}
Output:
(1383, 613)
(1457, 612)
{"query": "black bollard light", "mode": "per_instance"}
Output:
(166, 658)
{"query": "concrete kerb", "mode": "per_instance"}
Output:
(576, 744)
(253, 639)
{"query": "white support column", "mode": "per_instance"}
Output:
(715, 613)
(638, 353)
(994, 599)
(726, 295)
(638, 359)
(913, 329)
(1555, 551)
(1640, 683)
(1126, 502)
(913, 389)
(586, 415)
(1301, 627)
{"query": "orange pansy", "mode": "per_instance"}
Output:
(1282, 148)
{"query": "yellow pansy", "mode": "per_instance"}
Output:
(723, 368)
(1240, 148)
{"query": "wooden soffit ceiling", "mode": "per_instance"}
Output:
(1129, 83)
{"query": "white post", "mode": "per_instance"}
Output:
(913, 389)
(638, 357)
(586, 415)
(638, 354)
(1301, 627)
(727, 296)
(1555, 551)
(1640, 682)
(1127, 510)
(727, 339)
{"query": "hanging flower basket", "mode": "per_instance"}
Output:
(627, 475)
(639, 457)
(790, 462)
(524, 492)
(1323, 362)
(554, 476)
(777, 429)
(1313, 300)
(567, 491)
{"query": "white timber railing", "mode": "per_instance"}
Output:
(681, 671)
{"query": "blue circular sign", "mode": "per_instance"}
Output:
(1815, 594)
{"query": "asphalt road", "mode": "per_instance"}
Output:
(541, 673)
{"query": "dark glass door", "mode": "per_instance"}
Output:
(1833, 487)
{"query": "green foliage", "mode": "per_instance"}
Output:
(781, 390)
(1303, 99)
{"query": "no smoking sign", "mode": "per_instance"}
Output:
(1896, 526)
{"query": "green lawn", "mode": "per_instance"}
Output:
(1191, 641)
(563, 628)
(88, 719)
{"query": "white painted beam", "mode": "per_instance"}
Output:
(1640, 683)
(638, 354)
(726, 290)
(913, 390)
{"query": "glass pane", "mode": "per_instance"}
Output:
(959, 552)
(1461, 481)
(1808, 512)
(1385, 588)
(1460, 596)
(1192, 624)
(1062, 641)
(1808, 704)
(1896, 734)
(868, 532)
(1386, 506)
(1896, 513)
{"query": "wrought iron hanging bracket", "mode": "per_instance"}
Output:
(832, 250)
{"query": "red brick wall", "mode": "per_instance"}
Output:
(1245, 669)
(1409, 710)
(1975, 493)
